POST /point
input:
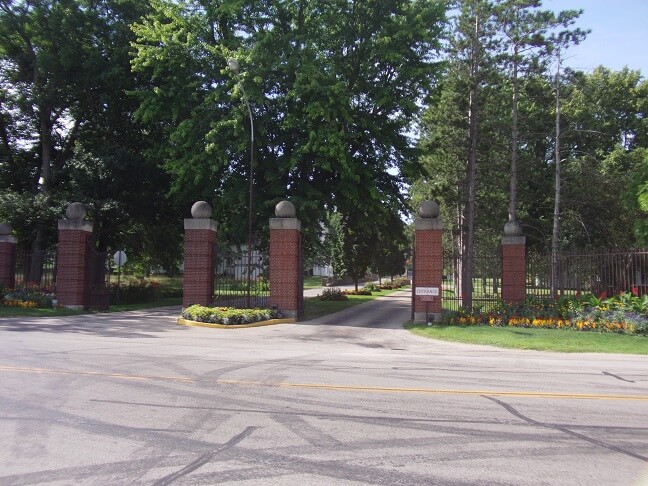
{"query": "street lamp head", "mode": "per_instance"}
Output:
(233, 65)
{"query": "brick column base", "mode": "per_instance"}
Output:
(73, 237)
(7, 261)
(428, 264)
(286, 283)
(199, 257)
(513, 269)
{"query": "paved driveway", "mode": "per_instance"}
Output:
(352, 398)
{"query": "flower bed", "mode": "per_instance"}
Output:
(623, 313)
(27, 297)
(227, 315)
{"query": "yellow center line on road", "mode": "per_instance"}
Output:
(333, 387)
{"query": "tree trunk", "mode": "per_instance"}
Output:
(514, 141)
(556, 216)
(468, 248)
(35, 268)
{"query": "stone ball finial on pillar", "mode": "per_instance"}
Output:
(5, 229)
(76, 211)
(513, 228)
(201, 210)
(429, 209)
(285, 209)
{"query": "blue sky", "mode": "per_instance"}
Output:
(619, 34)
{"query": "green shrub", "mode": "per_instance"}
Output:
(227, 315)
(371, 287)
(357, 292)
(401, 281)
(170, 287)
(134, 291)
(333, 294)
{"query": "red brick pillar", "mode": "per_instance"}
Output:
(7, 257)
(428, 263)
(73, 236)
(286, 284)
(199, 255)
(513, 264)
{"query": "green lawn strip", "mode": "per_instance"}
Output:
(312, 282)
(163, 302)
(565, 341)
(314, 307)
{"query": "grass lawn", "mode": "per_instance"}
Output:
(565, 341)
(314, 307)
(164, 301)
(312, 282)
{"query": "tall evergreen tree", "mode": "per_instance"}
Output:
(454, 129)
(529, 34)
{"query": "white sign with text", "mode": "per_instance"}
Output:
(433, 291)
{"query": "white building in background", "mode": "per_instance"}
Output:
(322, 271)
(234, 264)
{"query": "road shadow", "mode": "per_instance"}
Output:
(149, 323)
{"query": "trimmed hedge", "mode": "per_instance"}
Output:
(228, 315)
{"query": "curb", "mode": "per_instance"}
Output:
(186, 322)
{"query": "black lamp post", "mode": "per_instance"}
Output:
(233, 65)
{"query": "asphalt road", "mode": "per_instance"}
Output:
(352, 398)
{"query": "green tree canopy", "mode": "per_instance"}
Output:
(67, 128)
(334, 88)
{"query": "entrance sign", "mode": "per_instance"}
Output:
(432, 291)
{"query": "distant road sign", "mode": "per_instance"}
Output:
(119, 258)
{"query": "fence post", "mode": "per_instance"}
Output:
(513, 264)
(286, 292)
(199, 255)
(7, 257)
(73, 236)
(428, 263)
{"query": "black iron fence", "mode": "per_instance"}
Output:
(97, 274)
(600, 273)
(486, 281)
(241, 282)
(36, 269)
